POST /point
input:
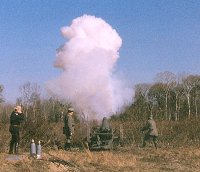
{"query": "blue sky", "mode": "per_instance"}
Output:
(157, 35)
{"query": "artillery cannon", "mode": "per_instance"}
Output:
(103, 139)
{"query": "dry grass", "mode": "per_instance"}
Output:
(171, 157)
(124, 159)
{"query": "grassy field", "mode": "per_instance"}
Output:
(121, 160)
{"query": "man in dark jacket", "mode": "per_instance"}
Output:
(152, 132)
(16, 118)
(68, 128)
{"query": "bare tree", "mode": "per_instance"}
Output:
(143, 89)
(141, 96)
(189, 83)
(168, 81)
(1, 91)
(30, 95)
(178, 91)
(195, 95)
(196, 99)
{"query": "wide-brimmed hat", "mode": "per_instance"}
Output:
(18, 109)
(70, 109)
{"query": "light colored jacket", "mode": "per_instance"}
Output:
(69, 124)
(151, 127)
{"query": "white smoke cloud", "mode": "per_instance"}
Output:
(88, 61)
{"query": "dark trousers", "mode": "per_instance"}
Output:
(68, 142)
(150, 137)
(14, 143)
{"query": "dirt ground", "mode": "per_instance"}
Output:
(123, 160)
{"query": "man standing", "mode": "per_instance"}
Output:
(68, 128)
(152, 132)
(16, 118)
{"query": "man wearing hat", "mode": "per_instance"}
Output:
(68, 128)
(16, 118)
(152, 132)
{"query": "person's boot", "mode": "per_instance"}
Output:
(155, 144)
(67, 146)
(16, 148)
(10, 151)
(11, 148)
(143, 144)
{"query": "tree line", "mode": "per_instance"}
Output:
(170, 97)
